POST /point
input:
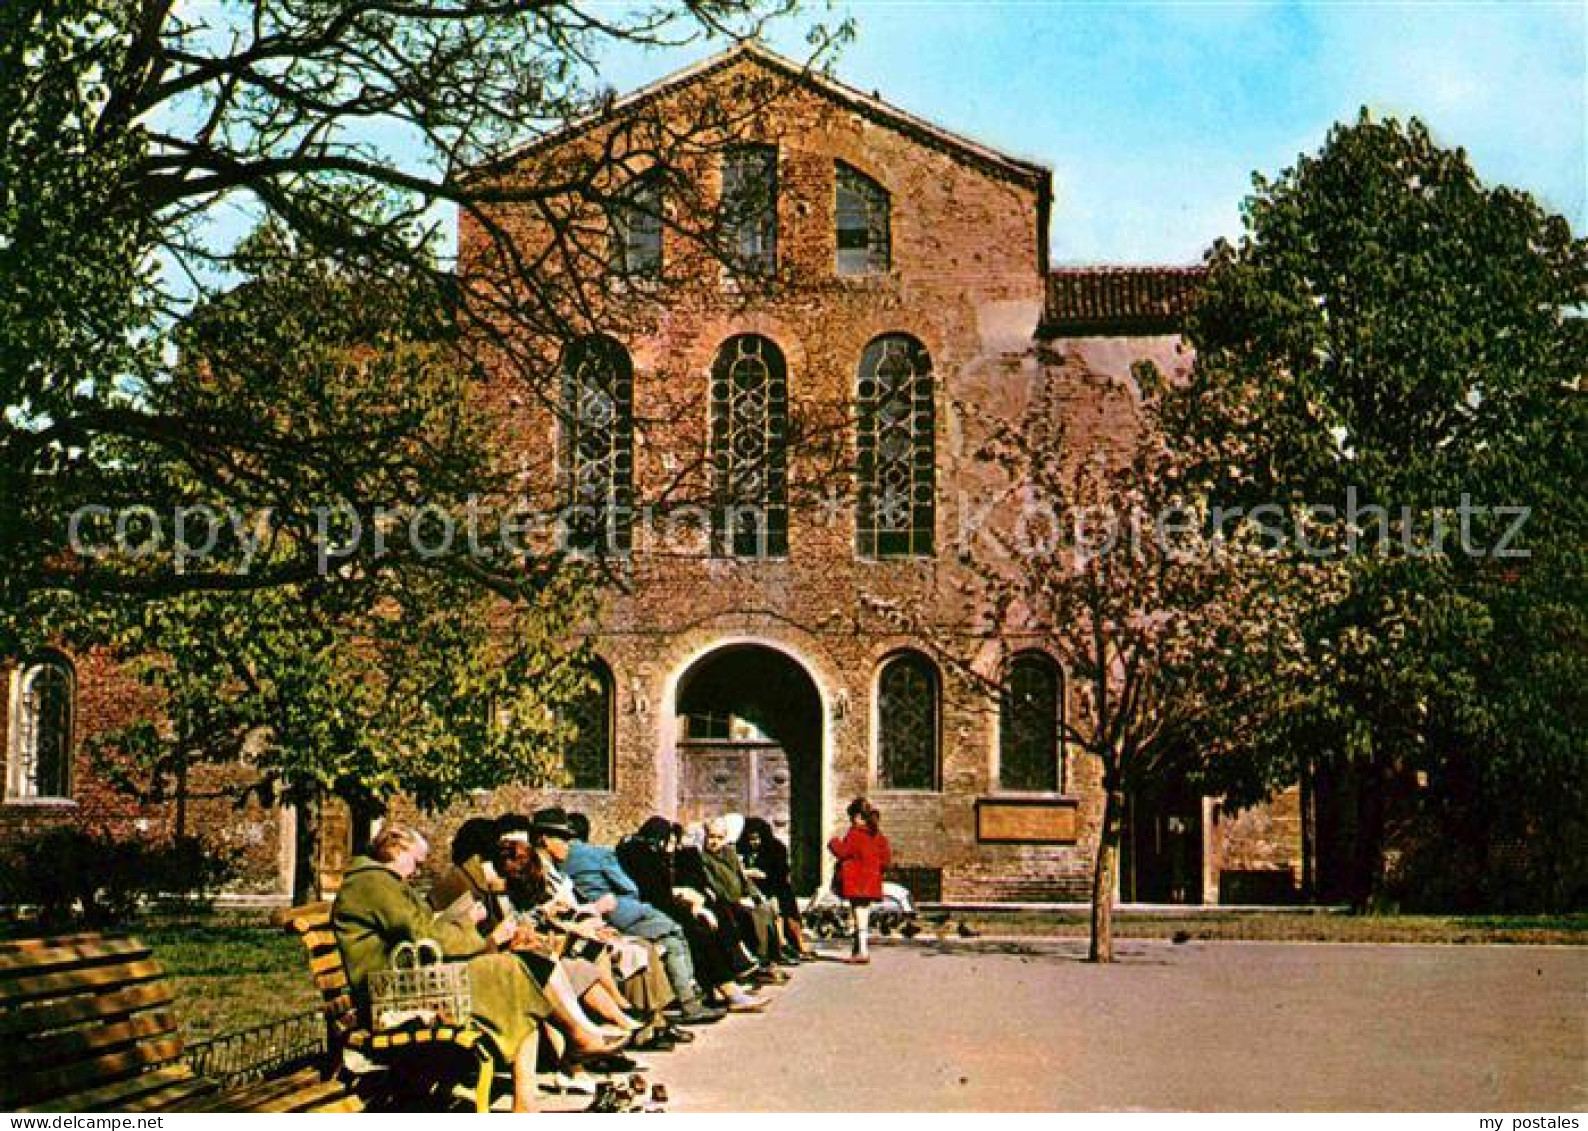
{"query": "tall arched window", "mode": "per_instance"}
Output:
(589, 756)
(907, 723)
(749, 448)
(895, 449)
(1028, 724)
(861, 222)
(598, 445)
(41, 734)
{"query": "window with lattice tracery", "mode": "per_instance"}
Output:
(1028, 725)
(598, 445)
(895, 449)
(589, 754)
(749, 437)
(907, 724)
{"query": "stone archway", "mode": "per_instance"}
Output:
(750, 741)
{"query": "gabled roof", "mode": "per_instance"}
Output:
(1118, 300)
(870, 105)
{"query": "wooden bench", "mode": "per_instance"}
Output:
(402, 1052)
(88, 1025)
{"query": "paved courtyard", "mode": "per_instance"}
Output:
(1210, 1026)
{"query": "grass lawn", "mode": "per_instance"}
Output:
(230, 971)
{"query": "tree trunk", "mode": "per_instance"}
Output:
(306, 857)
(1103, 873)
(362, 813)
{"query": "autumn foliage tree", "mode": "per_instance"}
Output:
(1163, 614)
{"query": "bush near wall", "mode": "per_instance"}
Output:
(65, 878)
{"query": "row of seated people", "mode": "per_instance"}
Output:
(604, 947)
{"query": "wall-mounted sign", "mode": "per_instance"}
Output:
(1026, 820)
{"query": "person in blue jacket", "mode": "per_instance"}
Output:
(598, 877)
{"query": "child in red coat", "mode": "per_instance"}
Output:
(862, 854)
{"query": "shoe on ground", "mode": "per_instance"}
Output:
(745, 1003)
(857, 960)
(614, 1062)
(678, 1036)
(699, 1015)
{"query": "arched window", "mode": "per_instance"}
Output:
(637, 228)
(1028, 724)
(895, 449)
(589, 757)
(41, 734)
(861, 222)
(598, 445)
(907, 723)
(749, 207)
(749, 442)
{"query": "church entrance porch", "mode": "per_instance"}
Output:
(750, 742)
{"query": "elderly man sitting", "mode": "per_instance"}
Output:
(598, 878)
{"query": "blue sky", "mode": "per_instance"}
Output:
(1153, 116)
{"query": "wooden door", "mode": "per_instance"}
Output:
(725, 777)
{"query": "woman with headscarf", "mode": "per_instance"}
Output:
(766, 862)
(862, 854)
(757, 916)
(647, 857)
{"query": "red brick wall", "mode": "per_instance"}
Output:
(109, 698)
(966, 280)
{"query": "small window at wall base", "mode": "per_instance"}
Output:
(636, 218)
(749, 208)
(1028, 725)
(862, 223)
(40, 750)
(588, 759)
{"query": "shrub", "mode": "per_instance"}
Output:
(76, 878)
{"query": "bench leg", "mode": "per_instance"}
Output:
(482, 1085)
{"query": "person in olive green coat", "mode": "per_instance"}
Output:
(376, 909)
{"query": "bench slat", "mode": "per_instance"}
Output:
(67, 983)
(44, 959)
(59, 1014)
(147, 1090)
(133, 1061)
(84, 1042)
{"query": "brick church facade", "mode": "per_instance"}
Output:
(765, 463)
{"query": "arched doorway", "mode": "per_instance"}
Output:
(750, 741)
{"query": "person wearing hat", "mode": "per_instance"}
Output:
(598, 878)
(376, 909)
(474, 878)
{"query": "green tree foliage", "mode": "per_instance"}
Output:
(1392, 333)
(140, 133)
(392, 673)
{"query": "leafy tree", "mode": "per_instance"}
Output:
(1392, 333)
(1164, 616)
(138, 131)
(393, 673)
